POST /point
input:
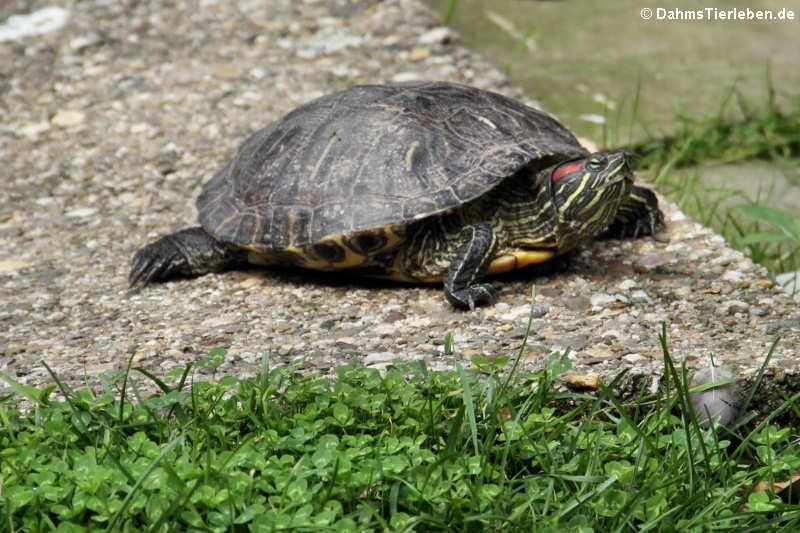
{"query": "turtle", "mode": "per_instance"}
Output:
(431, 182)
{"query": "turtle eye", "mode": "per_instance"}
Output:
(596, 163)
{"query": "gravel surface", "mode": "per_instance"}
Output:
(111, 122)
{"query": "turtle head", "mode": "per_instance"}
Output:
(586, 193)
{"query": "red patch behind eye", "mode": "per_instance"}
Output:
(566, 168)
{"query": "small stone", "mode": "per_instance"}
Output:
(640, 297)
(68, 118)
(84, 41)
(10, 265)
(393, 316)
(683, 292)
(540, 310)
(597, 351)
(731, 307)
(31, 130)
(82, 212)
(284, 349)
(403, 77)
(619, 267)
(653, 318)
(327, 324)
(512, 314)
(439, 35)
(600, 301)
(549, 292)
(139, 128)
(421, 322)
(626, 285)
(211, 131)
(732, 276)
(379, 358)
(516, 333)
(576, 342)
(634, 358)
(36, 23)
(583, 381)
(611, 334)
(226, 71)
(577, 303)
(419, 54)
(250, 282)
(215, 322)
(384, 330)
(652, 261)
(663, 236)
(546, 333)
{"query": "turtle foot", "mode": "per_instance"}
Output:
(639, 216)
(188, 252)
(470, 297)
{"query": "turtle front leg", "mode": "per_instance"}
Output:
(469, 266)
(188, 252)
(638, 216)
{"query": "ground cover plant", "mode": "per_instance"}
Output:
(485, 448)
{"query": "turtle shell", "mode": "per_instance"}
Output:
(374, 156)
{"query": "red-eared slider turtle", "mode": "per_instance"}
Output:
(421, 182)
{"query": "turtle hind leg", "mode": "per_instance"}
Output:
(638, 216)
(469, 266)
(188, 252)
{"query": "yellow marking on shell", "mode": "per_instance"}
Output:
(351, 259)
(257, 256)
(518, 259)
(487, 122)
(322, 158)
(410, 155)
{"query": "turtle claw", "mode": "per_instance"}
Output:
(470, 297)
(155, 262)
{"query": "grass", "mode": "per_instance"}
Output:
(738, 132)
(480, 449)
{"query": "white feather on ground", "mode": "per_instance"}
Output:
(722, 402)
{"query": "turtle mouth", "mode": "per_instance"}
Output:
(622, 171)
(616, 178)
